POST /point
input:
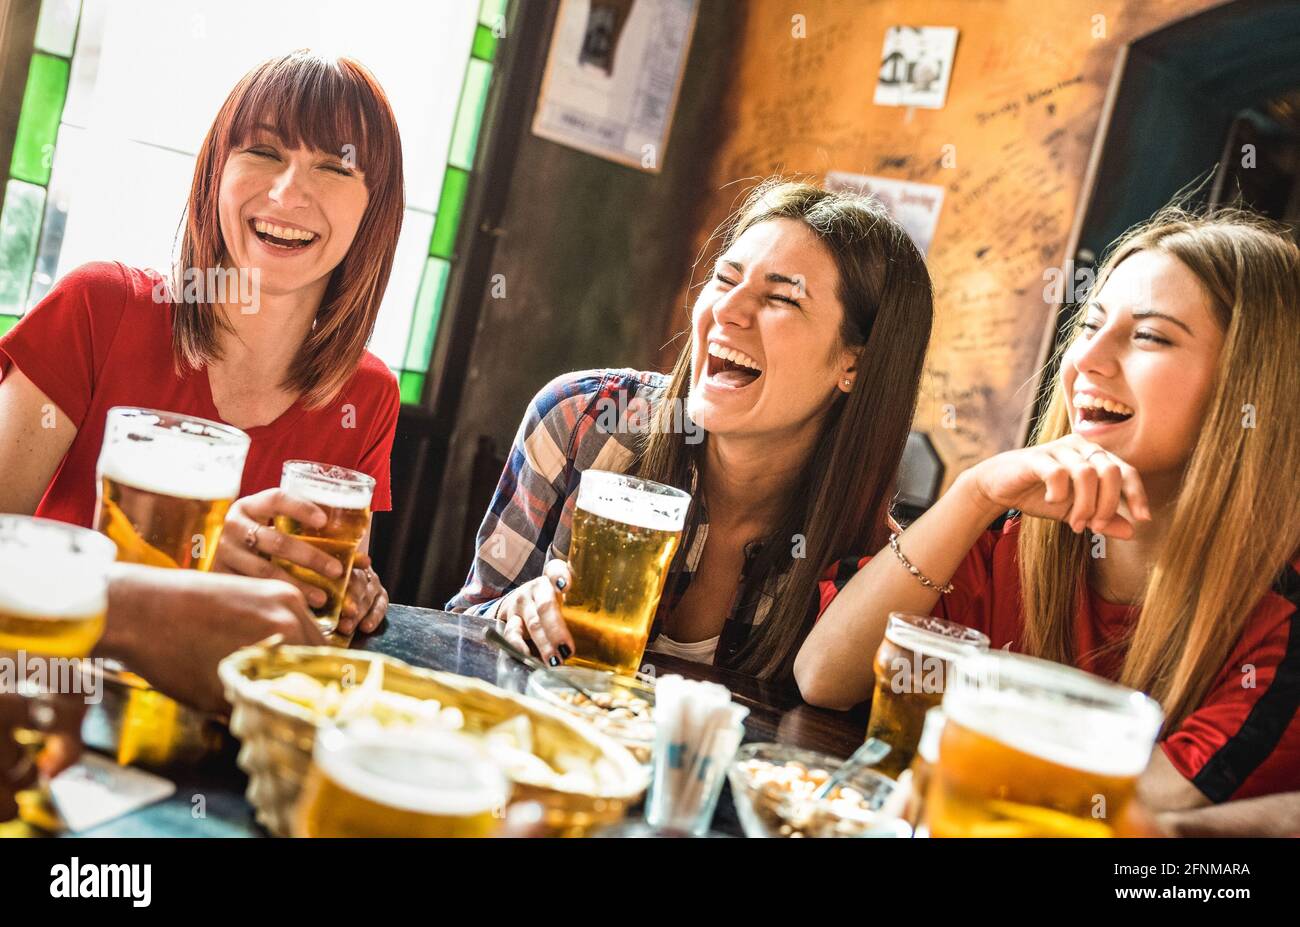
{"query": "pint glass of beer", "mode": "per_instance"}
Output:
(344, 495)
(53, 600)
(1032, 748)
(166, 482)
(53, 587)
(912, 667)
(368, 781)
(625, 531)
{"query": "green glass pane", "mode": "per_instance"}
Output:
(412, 387)
(56, 29)
(428, 309)
(485, 44)
(490, 12)
(38, 123)
(7, 322)
(469, 114)
(450, 204)
(20, 227)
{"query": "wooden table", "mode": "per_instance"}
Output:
(209, 799)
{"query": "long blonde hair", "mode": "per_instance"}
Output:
(1236, 522)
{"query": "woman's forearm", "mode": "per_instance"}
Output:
(1269, 816)
(134, 593)
(833, 668)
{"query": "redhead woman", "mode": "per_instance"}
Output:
(1159, 516)
(288, 241)
(785, 417)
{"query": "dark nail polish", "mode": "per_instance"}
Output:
(554, 661)
(560, 583)
(565, 652)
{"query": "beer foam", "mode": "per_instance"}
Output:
(54, 586)
(179, 466)
(608, 496)
(339, 497)
(402, 769)
(929, 644)
(1088, 739)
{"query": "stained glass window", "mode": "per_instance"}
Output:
(119, 96)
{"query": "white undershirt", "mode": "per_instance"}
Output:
(697, 652)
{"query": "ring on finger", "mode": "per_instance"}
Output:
(250, 537)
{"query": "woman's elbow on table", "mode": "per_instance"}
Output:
(816, 675)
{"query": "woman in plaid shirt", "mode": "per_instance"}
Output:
(785, 417)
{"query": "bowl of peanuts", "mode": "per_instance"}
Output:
(621, 707)
(774, 788)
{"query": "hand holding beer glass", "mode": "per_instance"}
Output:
(53, 602)
(344, 497)
(1032, 748)
(912, 668)
(625, 532)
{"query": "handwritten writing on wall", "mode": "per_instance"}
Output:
(1010, 148)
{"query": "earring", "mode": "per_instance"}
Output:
(848, 382)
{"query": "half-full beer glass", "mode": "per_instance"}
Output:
(368, 781)
(344, 495)
(1033, 748)
(912, 667)
(625, 531)
(166, 482)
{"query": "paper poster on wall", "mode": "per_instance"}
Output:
(612, 77)
(915, 206)
(915, 66)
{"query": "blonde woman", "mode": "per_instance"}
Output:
(1159, 515)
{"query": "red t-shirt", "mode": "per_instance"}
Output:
(100, 340)
(1239, 743)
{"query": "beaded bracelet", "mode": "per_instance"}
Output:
(920, 577)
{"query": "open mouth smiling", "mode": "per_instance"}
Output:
(1091, 410)
(730, 368)
(283, 237)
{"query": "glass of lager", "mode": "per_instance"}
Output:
(53, 601)
(912, 667)
(625, 531)
(344, 496)
(370, 781)
(53, 587)
(1032, 748)
(166, 482)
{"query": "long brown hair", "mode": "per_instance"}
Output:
(316, 102)
(840, 503)
(1236, 522)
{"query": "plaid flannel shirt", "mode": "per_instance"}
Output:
(581, 421)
